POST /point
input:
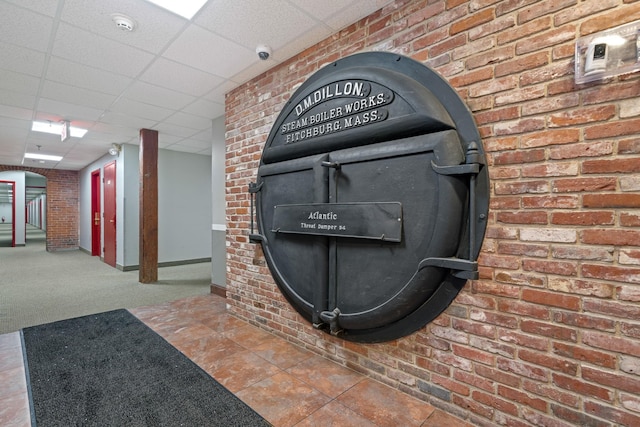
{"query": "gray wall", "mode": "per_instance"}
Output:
(184, 206)
(218, 217)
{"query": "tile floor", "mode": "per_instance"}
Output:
(285, 384)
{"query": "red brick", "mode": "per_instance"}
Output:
(629, 219)
(583, 218)
(582, 354)
(522, 398)
(491, 400)
(577, 418)
(519, 157)
(549, 330)
(474, 355)
(529, 217)
(520, 339)
(550, 202)
(474, 328)
(610, 342)
(612, 308)
(472, 21)
(583, 388)
(546, 39)
(548, 104)
(574, 151)
(520, 63)
(607, 378)
(498, 376)
(550, 392)
(603, 21)
(610, 237)
(550, 267)
(493, 318)
(613, 129)
(474, 380)
(612, 414)
(611, 200)
(629, 146)
(618, 274)
(548, 361)
(542, 8)
(453, 386)
(492, 288)
(579, 185)
(473, 406)
(523, 369)
(551, 137)
(524, 309)
(582, 116)
(524, 31)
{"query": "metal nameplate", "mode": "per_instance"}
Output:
(373, 221)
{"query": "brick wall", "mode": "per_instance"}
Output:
(62, 206)
(550, 334)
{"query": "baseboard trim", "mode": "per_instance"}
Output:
(218, 290)
(165, 264)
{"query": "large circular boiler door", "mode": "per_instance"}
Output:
(372, 197)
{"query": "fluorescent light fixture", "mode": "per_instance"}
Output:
(56, 129)
(184, 8)
(37, 156)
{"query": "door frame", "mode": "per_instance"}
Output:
(13, 212)
(109, 258)
(96, 222)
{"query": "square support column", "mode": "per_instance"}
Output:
(148, 247)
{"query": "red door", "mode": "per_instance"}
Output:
(95, 213)
(110, 213)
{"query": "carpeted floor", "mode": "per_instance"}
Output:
(39, 287)
(111, 369)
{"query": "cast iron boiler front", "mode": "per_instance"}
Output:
(371, 197)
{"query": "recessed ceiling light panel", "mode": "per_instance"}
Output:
(185, 8)
(37, 156)
(56, 129)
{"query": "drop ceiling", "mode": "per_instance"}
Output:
(67, 60)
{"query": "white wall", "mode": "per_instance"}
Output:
(19, 190)
(218, 217)
(6, 211)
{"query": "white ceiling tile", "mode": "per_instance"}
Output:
(266, 19)
(164, 140)
(201, 49)
(16, 112)
(190, 121)
(22, 27)
(127, 121)
(204, 108)
(156, 95)
(155, 27)
(193, 82)
(99, 52)
(18, 82)
(138, 109)
(74, 74)
(69, 111)
(218, 94)
(174, 130)
(76, 95)
(205, 135)
(21, 60)
(46, 7)
(17, 99)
